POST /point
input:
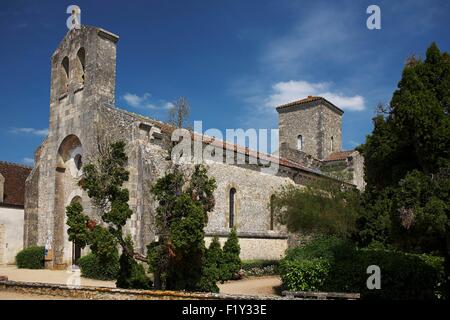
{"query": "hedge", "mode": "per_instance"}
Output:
(95, 268)
(336, 266)
(260, 267)
(31, 258)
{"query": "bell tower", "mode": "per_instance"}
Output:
(84, 65)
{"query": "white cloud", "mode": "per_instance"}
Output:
(32, 131)
(28, 161)
(285, 92)
(143, 102)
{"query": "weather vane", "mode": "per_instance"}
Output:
(74, 21)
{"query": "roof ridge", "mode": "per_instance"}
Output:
(308, 100)
(231, 146)
(15, 164)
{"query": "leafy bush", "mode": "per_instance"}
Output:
(327, 247)
(330, 264)
(211, 272)
(95, 267)
(304, 275)
(231, 261)
(260, 267)
(403, 275)
(31, 258)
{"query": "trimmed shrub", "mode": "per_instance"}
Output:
(132, 275)
(403, 275)
(95, 267)
(211, 270)
(326, 247)
(231, 261)
(31, 258)
(334, 265)
(260, 267)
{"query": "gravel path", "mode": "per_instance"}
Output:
(252, 286)
(51, 276)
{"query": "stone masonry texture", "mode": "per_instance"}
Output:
(83, 111)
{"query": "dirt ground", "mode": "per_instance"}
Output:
(51, 276)
(265, 286)
(252, 286)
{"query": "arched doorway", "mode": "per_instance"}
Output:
(76, 249)
(68, 172)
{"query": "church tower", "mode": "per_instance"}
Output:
(309, 128)
(84, 66)
(83, 79)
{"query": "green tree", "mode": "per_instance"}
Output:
(212, 265)
(407, 160)
(184, 202)
(231, 262)
(321, 207)
(102, 180)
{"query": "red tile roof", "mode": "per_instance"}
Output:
(310, 99)
(339, 155)
(14, 188)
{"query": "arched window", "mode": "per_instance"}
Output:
(78, 161)
(232, 207)
(272, 212)
(332, 143)
(64, 76)
(80, 67)
(300, 142)
(70, 156)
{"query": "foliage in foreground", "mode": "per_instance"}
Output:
(407, 163)
(322, 207)
(231, 262)
(103, 180)
(334, 265)
(94, 267)
(176, 259)
(31, 258)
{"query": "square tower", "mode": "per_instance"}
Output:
(311, 126)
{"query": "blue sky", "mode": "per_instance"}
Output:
(233, 60)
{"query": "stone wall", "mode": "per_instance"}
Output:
(257, 248)
(2, 187)
(252, 199)
(11, 220)
(74, 100)
(356, 164)
(2, 244)
(330, 126)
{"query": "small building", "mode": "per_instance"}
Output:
(12, 195)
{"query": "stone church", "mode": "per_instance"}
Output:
(82, 100)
